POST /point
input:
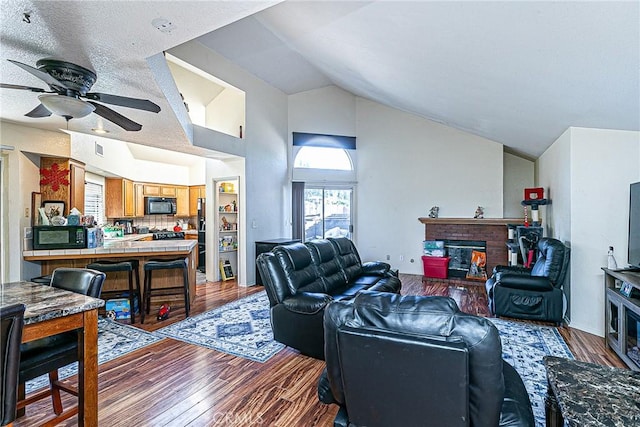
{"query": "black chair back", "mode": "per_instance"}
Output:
(399, 381)
(80, 280)
(12, 322)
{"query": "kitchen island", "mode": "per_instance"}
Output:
(120, 250)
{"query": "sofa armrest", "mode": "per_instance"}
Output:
(389, 284)
(519, 281)
(511, 269)
(307, 302)
(375, 267)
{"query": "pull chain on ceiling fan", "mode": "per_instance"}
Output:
(68, 84)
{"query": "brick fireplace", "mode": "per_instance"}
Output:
(493, 231)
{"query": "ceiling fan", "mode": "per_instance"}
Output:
(68, 84)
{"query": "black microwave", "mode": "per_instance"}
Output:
(59, 237)
(160, 206)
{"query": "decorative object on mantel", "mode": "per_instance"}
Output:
(54, 176)
(479, 213)
(433, 212)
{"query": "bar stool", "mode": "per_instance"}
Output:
(130, 266)
(162, 264)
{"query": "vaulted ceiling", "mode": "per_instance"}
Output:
(518, 73)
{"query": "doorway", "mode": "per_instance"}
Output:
(328, 212)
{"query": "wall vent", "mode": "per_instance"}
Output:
(99, 150)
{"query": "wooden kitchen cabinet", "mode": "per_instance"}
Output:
(138, 196)
(158, 190)
(119, 198)
(196, 192)
(65, 169)
(182, 201)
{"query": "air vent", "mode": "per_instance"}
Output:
(99, 150)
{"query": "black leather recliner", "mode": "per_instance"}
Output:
(535, 293)
(413, 360)
(301, 279)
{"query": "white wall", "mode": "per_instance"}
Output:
(225, 113)
(588, 172)
(23, 178)
(406, 164)
(118, 160)
(267, 189)
(518, 175)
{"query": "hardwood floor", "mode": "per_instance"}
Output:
(171, 383)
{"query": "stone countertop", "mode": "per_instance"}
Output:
(594, 395)
(45, 302)
(115, 247)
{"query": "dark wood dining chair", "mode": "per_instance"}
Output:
(47, 355)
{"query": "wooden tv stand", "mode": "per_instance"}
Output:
(622, 316)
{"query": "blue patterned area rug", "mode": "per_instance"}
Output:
(114, 340)
(523, 347)
(241, 328)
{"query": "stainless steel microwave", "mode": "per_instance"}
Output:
(59, 237)
(160, 205)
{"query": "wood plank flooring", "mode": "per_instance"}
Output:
(171, 383)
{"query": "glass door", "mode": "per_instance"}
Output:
(328, 212)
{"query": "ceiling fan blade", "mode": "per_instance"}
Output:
(123, 101)
(114, 117)
(39, 111)
(40, 74)
(10, 86)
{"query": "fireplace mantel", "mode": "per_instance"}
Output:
(471, 221)
(493, 231)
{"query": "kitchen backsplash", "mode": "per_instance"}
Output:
(160, 221)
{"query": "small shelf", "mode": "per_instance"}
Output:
(228, 231)
(226, 250)
(224, 192)
(227, 212)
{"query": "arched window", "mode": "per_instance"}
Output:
(323, 158)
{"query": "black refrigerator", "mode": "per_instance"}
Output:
(202, 246)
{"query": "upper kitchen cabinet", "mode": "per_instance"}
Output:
(182, 201)
(119, 198)
(196, 192)
(62, 180)
(157, 190)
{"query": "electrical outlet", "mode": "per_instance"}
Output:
(388, 257)
(401, 257)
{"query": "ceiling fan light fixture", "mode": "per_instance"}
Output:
(66, 106)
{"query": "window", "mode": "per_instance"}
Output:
(94, 201)
(323, 158)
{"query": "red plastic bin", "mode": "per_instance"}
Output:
(435, 267)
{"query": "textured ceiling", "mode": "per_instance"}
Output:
(518, 73)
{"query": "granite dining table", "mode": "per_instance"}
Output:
(50, 311)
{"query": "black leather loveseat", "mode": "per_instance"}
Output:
(301, 279)
(415, 361)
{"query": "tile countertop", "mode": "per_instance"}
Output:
(120, 246)
(128, 238)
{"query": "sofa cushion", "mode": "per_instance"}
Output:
(300, 272)
(325, 257)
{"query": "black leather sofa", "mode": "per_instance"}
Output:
(302, 278)
(413, 360)
(532, 293)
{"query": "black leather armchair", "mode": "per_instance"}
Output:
(11, 324)
(47, 355)
(301, 279)
(535, 293)
(413, 360)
